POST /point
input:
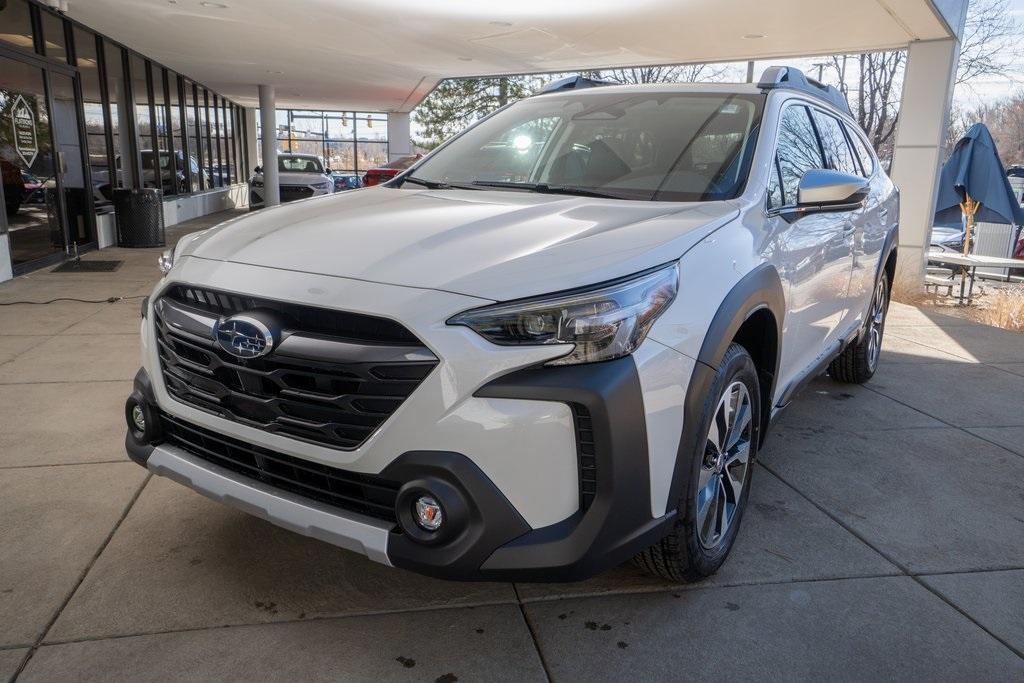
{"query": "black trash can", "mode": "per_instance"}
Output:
(140, 217)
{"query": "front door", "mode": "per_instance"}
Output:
(44, 186)
(814, 253)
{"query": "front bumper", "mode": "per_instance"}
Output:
(491, 540)
(288, 193)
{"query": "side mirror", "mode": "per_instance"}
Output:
(258, 169)
(328, 171)
(821, 190)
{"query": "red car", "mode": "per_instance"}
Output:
(382, 174)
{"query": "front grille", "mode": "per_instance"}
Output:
(308, 319)
(586, 454)
(290, 192)
(363, 493)
(324, 401)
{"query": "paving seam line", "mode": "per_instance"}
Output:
(533, 634)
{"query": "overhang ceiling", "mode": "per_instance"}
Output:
(387, 55)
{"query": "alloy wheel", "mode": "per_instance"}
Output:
(876, 322)
(726, 465)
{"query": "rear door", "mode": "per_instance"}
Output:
(840, 156)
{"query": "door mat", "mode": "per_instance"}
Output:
(87, 267)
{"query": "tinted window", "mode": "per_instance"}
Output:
(16, 26)
(798, 150)
(866, 158)
(838, 155)
(299, 165)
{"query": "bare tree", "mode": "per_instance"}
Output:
(679, 73)
(872, 84)
(991, 37)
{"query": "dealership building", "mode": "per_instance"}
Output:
(110, 94)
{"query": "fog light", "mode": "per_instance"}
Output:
(139, 418)
(428, 513)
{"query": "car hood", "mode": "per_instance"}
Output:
(489, 244)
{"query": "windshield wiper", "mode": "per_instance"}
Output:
(437, 184)
(429, 184)
(544, 188)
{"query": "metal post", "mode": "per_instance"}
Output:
(268, 117)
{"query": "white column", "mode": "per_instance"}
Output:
(251, 144)
(399, 137)
(268, 119)
(918, 154)
(6, 267)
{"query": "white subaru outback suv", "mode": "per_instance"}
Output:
(553, 345)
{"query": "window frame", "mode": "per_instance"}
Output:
(854, 133)
(786, 104)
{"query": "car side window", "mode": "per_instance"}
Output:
(838, 154)
(867, 160)
(797, 151)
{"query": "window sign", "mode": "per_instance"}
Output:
(23, 120)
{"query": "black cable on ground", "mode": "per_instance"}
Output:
(108, 300)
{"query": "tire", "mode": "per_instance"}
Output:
(697, 545)
(858, 361)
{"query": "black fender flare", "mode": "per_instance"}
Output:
(761, 288)
(890, 245)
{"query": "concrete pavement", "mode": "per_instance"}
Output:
(885, 539)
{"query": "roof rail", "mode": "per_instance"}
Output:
(794, 79)
(573, 83)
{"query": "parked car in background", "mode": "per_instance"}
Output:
(555, 344)
(382, 174)
(346, 181)
(947, 239)
(301, 176)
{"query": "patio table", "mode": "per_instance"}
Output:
(969, 263)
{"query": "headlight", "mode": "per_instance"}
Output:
(605, 322)
(166, 261)
(321, 186)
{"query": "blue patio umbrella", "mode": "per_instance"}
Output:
(973, 179)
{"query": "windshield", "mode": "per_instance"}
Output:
(651, 146)
(299, 165)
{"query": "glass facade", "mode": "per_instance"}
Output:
(94, 116)
(349, 142)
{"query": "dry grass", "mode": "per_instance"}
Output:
(1004, 308)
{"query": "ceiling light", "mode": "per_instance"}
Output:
(214, 5)
(275, 73)
(465, 59)
(754, 36)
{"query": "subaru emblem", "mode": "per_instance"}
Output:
(244, 337)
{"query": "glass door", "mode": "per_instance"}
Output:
(29, 165)
(70, 167)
